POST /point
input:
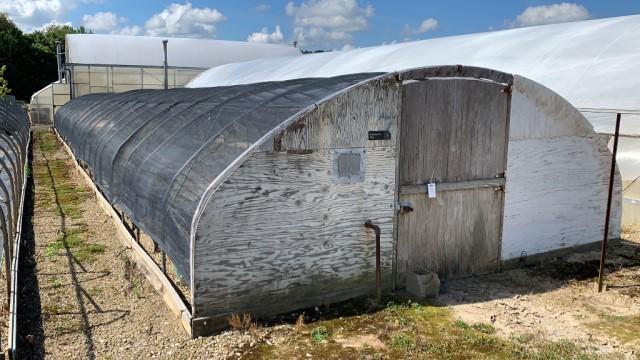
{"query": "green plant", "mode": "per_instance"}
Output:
(319, 334)
(402, 341)
(4, 84)
(55, 282)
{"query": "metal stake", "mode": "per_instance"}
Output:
(59, 60)
(603, 251)
(376, 229)
(166, 65)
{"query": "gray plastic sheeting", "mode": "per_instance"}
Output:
(14, 132)
(154, 152)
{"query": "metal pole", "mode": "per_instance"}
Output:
(7, 254)
(166, 65)
(603, 251)
(376, 229)
(59, 60)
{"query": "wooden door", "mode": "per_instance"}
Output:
(454, 133)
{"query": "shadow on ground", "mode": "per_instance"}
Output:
(30, 333)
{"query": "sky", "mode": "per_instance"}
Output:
(313, 24)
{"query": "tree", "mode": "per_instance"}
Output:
(4, 84)
(30, 59)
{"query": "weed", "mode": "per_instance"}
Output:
(300, 320)
(480, 327)
(74, 242)
(242, 323)
(319, 334)
(55, 282)
(402, 341)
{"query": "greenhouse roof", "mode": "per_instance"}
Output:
(590, 63)
(154, 154)
(182, 52)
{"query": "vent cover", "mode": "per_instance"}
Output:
(349, 166)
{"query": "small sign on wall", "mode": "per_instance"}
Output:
(380, 135)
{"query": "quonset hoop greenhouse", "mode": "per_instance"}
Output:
(15, 140)
(259, 193)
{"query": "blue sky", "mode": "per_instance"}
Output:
(327, 24)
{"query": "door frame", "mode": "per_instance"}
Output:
(423, 74)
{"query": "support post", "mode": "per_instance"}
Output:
(603, 251)
(7, 256)
(166, 65)
(59, 60)
(376, 229)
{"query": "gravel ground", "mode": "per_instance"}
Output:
(83, 298)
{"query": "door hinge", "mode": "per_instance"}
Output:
(498, 188)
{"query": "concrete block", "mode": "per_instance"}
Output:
(423, 285)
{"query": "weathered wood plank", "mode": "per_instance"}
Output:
(556, 194)
(452, 186)
(344, 122)
(462, 123)
(145, 263)
(283, 230)
(453, 132)
(455, 234)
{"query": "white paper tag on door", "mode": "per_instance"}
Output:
(431, 190)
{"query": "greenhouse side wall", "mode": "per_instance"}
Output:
(557, 176)
(287, 228)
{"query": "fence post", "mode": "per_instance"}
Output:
(603, 250)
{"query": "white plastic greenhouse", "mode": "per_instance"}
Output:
(593, 64)
(97, 63)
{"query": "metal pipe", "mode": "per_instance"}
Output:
(376, 229)
(603, 251)
(59, 60)
(165, 65)
(7, 254)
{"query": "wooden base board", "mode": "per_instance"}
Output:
(145, 263)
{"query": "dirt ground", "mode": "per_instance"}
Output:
(81, 298)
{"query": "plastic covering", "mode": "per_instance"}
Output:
(592, 64)
(154, 153)
(14, 136)
(148, 51)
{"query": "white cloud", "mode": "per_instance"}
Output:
(276, 37)
(130, 30)
(328, 23)
(550, 14)
(262, 8)
(102, 22)
(426, 25)
(184, 20)
(30, 15)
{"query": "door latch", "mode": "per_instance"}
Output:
(404, 206)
